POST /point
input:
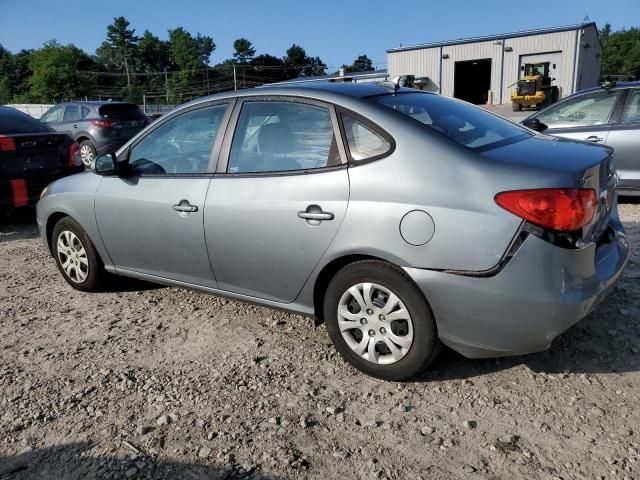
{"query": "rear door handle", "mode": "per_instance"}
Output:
(594, 139)
(314, 215)
(185, 207)
(75, 125)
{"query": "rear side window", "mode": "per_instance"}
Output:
(276, 136)
(71, 113)
(364, 142)
(463, 123)
(13, 122)
(122, 111)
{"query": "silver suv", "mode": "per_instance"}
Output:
(608, 116)
(99, 127)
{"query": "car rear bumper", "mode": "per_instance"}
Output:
(109, 146)
(542, 291)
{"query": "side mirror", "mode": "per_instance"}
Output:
(106, 164)
(534, 124)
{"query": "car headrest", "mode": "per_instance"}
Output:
(275, 138)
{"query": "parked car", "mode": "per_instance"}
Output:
(401, 218)
(608, 115)
(99, 127)
(31, 156)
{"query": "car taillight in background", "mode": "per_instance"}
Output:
(559, 209)
(74, 159)
(7, 144)
(102, 123)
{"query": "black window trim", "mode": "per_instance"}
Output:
(373, 126)
(214, 154)
(225, 153)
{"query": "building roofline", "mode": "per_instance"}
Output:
(486, 38)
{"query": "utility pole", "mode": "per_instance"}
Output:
(166, 84)
(235, 81)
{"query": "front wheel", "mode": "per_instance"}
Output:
(76, 257)
(379, 321)
(516, 107)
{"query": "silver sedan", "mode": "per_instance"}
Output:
(402, 219)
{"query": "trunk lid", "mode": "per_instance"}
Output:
(587, 166)
(126, 119)
(35, 154)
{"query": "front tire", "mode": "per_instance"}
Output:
(516, 107)
(379, 321)
(76, 256)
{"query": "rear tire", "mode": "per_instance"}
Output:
(394, 336)
(516, 107)
(76, 256)
(87, 152)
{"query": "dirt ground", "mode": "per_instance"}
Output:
(151, 382)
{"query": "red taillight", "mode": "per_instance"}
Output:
(74, 159)
(7, 144)
(560, 209)
(102, 123)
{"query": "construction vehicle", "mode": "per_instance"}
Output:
(534, 89)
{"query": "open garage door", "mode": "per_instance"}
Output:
(472, 81)
(555, 65)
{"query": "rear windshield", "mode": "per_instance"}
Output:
(463, 123)
(122, 111)
(13, 121)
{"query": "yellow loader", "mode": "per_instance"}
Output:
(534, 89)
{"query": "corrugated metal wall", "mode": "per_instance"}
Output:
(426, 62)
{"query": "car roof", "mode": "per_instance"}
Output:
(618, 86)
(328, 91)
(95, 103)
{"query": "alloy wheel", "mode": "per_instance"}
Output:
(86, 154)
(72, 256)
(375, 323)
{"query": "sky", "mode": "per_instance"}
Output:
(336, 31)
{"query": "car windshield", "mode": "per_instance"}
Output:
(465, 124)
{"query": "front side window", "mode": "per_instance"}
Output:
(632, 110)
(582, 111)
(465, 124)
(363, 142)
(275, 136)
(53, 115)
(182, 145)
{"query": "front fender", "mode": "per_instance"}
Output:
(72, 196)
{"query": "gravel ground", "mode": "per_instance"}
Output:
(151, 383)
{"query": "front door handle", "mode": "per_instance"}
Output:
(594, 139)
(314, 215)
(183, 206)
(75, 125)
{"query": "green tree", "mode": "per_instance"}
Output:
(58, 73)
(189, 55)
(620, 51)
(360, 64)
(119, 48)
(6, 68)
(244, 50)
(301, 64)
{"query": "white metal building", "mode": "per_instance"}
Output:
(484, 69)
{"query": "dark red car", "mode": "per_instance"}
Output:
(31, 156)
